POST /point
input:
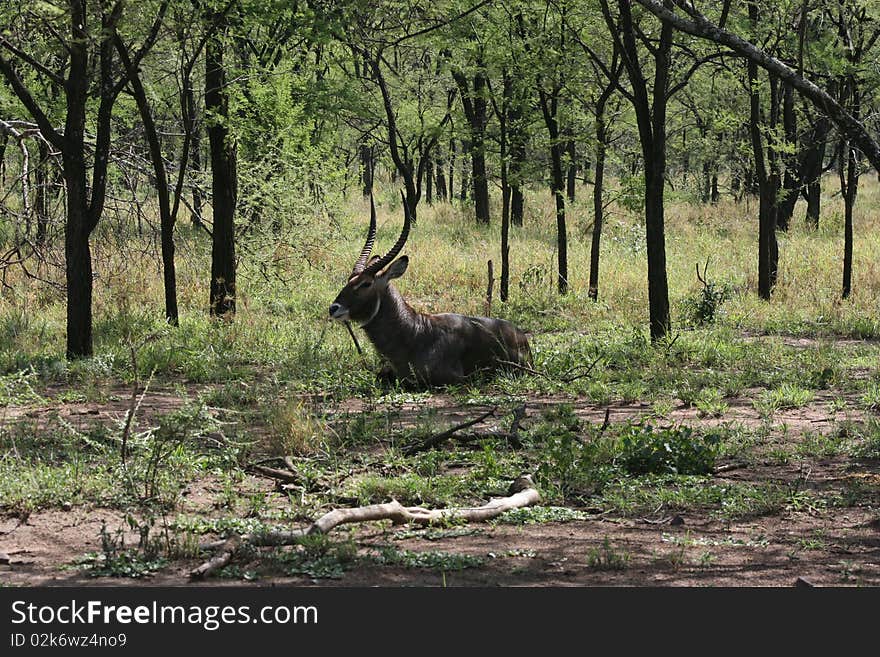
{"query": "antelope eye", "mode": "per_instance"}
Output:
(364, 285)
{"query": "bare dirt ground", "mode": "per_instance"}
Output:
(798, 546)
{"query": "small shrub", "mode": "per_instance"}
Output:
(676, 450)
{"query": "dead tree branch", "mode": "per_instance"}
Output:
(523, 494)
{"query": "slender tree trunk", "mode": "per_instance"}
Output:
(517, 141)
(476, 110)
(767, 205)
(790, 180)
(549, 108)
(195, 154)
(464, 185)
(651, 119)
(429, 181)
(598, 200)
(166, 220)
(4, 139)
(224, 183)
(814, 157)
(365, 154)
(442, 194)
(849, 183)
(504, 125)
(451, 168)
(77, 229)
(480, 179)
(571, 181)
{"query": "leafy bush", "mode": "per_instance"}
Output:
(572, 464)
(675, 450)
(702, 308)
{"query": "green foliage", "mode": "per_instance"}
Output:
(702, 307)
(439, 561)
(675, 450)
(540, 514)
(571, 464)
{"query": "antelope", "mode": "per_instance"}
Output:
(421, 349)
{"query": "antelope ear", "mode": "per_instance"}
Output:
(396, 268)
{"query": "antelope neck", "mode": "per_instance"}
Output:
(395, 325)
(375, 312)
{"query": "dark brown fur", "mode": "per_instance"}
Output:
(425, 349)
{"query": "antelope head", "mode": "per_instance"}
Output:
(359, 301)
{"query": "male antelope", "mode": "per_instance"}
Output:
(421, 349)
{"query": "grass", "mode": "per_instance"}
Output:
(281, 381)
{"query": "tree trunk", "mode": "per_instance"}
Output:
(442, 193)
(651, 120)
(549, 108)
(767, 248)
(166, 220)
(504, 124)
(429, 181)
(815, 141)
(224, 177)
(78, 256)
(195, 154)
(451, 168)
(480, 180)
(365, 154)
(475, 106)
(464, 185)
(598, 200)
(571, 181)
(849, 189)
(790, 180)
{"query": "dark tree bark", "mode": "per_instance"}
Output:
(166, 218)
(475, 105)
(464, 186)
(89, 53)
(517, 138)
(429, 181)
(571, 170)
(451, 168)
(812, 168)
(767, 246)
(790, 181)
(442, 193)
(193, 128)
(650, 113)
(365, 155)
(848, 171)
(224, 174)
(598, 191)
(550, 110)
(4, 139)
(503, 114)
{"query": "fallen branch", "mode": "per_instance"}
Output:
(523, 494)
(437, 438)
(227, 551)
(274, 473)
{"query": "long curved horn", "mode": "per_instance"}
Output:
(371, 238)
(388, 257)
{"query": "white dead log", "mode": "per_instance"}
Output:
(523, 494)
